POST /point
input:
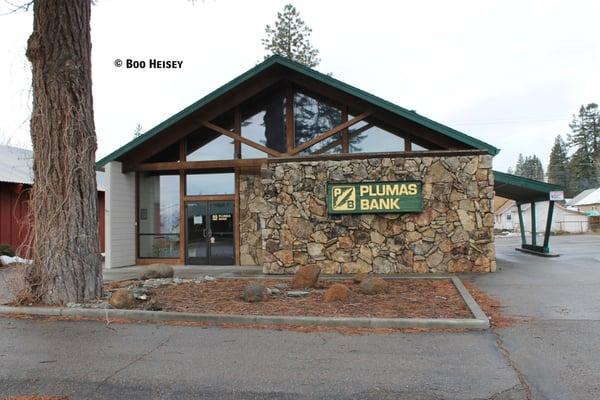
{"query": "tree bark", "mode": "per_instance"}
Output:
(67, 263)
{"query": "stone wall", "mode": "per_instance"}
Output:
(284, 221)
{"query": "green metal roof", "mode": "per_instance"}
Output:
(522, 189)
(328, 80)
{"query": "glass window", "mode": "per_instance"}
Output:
(217, 148)
(312, 118)
(158, 215)
(159, 246)
(369, 138)
(416, 147)
(203, 184)
(265, 125)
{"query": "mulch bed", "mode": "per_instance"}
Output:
(410, 298)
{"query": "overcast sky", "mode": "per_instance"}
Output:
(510, 73)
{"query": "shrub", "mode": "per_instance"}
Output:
(5, 250)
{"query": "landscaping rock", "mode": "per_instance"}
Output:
(152, 305)
(253, 293)
(156, 271)
(358, 278)
(337, 292)
(305, 277)
(374, 285)
(209, 278)
(141, 293)
(297, 293)
(155, 283)
(281, 286)
(274, 291)
(122, 298)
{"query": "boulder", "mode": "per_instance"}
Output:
(336, 292)
(305, 277)
(254, 292)
(374, 285)
(156, 271)
(122, 298)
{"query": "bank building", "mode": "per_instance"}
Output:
(284, 166)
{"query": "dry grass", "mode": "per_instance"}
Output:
(19, 290)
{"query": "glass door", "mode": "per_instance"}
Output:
(196, 232)
(209, 233)
(221, 233)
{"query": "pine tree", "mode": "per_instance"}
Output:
(558, 165)
(530, 167)
(138, 130)
(585, 137)
(290, 38)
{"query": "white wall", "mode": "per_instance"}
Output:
(562, 219)
(120, 216)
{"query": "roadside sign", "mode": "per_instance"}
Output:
(557, 195)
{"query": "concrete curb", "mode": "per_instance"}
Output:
(479, 322)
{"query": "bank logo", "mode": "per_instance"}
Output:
(344, 198)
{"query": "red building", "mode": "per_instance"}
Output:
(16, 178)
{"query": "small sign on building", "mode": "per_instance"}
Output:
(557, 195)
(374, 197)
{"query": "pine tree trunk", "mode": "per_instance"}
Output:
(67, 264)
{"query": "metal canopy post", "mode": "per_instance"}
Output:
(533, 230)
(546, 248)
(523, 239)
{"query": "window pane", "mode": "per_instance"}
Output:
(202, 184)
(219, 148)
(312, 118)
(159, 246)
(265, 126)
(369, 138)
(253, 128)
(416, 147)
(158, 204)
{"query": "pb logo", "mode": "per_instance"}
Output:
(343, 198)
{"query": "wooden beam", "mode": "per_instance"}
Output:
(242, 139)
(196, 165)
(212, 110)
(237, 128)
(329, 133)
(182, 219)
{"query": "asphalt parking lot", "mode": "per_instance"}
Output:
(551, 355)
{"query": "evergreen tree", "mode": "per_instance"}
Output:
(558, 165)
(583, 171)
(530, 167)
(585, 138)
(138, 130)
(290, 38)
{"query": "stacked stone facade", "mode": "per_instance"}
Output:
(284, 221)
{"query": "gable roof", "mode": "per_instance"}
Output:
(311, 73)
(593, 197)
(16, 166)
(580, 196)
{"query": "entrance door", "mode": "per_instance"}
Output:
(209, 228)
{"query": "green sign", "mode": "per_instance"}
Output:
(374, 197)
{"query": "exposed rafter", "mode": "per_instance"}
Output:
(329, 133)
(241, 139)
